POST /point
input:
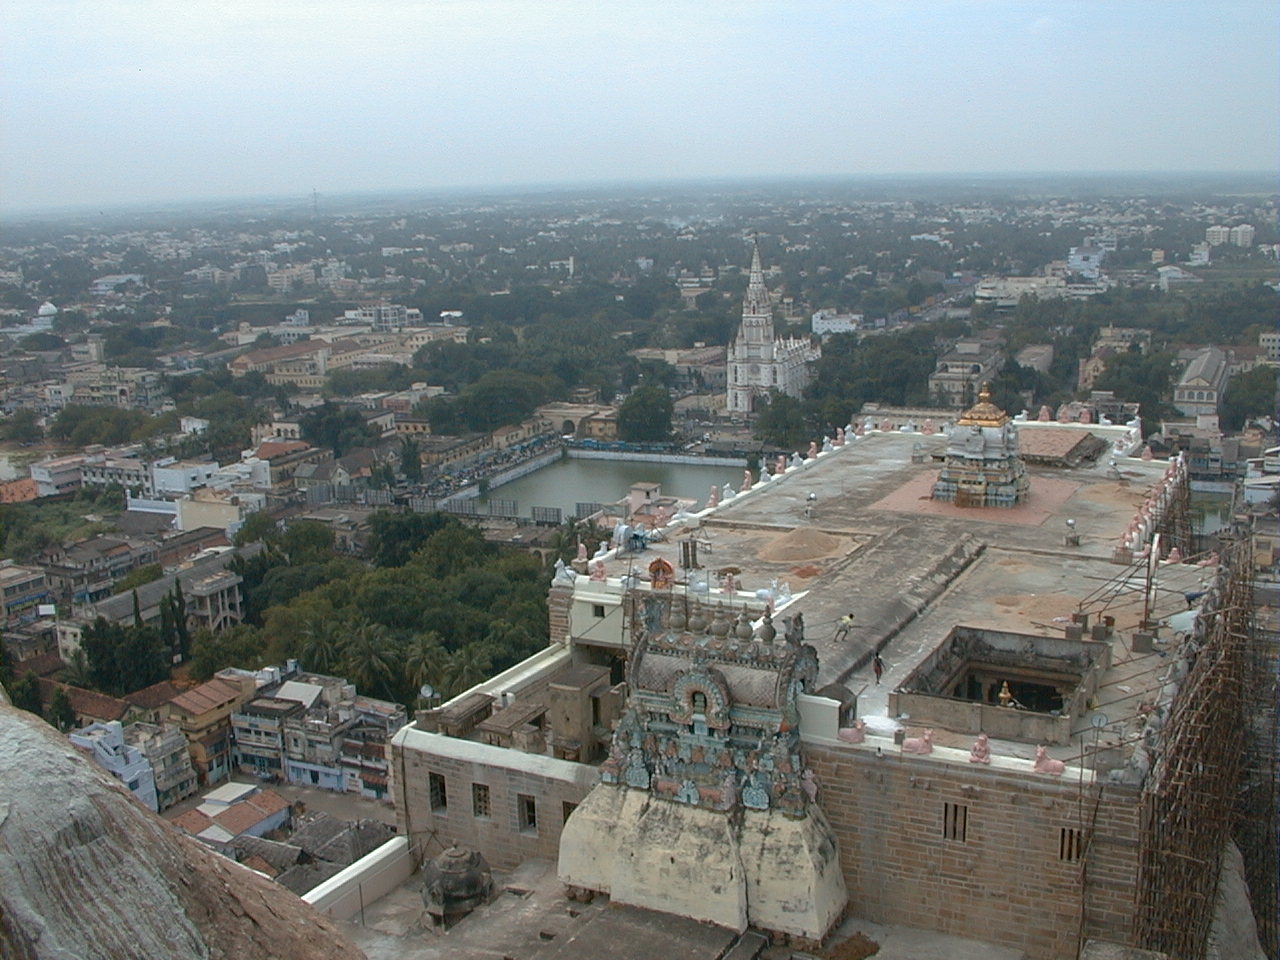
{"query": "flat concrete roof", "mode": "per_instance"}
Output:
(871, 541)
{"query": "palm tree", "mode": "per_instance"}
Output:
(322, 645)
(371, 660)
(425, 660)
(76, 673)
(467, 667)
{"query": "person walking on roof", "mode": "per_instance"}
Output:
(842, 632)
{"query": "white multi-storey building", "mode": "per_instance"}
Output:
(759, 363)
(1241, 236)
(1217, 235)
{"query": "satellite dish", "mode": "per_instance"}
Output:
(426, 691)
(1099, 720)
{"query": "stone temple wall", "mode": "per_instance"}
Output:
(978, 852)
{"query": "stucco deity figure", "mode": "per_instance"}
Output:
(582, 550)
(746, 480)
(980, 752)
(827, 445)
(729, 584)
(782, 464)
(597, 571)
(859, 430)
(930, 428)
(563, 573)
(809, 784)
(839, 436)
(813, 450)
(713, 501)
(1045, 415)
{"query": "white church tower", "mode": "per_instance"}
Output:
(758, 362)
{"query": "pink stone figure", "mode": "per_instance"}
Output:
(714, 500)
(1210, 561)
(1086, 416)
(597, 571)
(930, 428)
(781, 465)
(746, 480)
(981, 750)
(1147, 454)
(582, 551)
(839, 436)
(1046, 764)
(886, 427)
(1175, 555)
(1064, 414)
(729, 584)
(1045, 415)
(923, 744)
(855, 734)
(859, 430)
(813, 450)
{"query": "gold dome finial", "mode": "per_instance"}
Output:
(984, 413)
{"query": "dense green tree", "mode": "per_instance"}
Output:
(370, 661)
(1249, 395)
(60, 713)
(25, 693)
(21, 426)
(241, 646)
(1144, 378)
(257, 526)
(411, 459)
(341, 429)
(645, 416)
(394, 537)
(781, 423)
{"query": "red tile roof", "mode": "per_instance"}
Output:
(248, 813)
(206, 697)
(42, 664)
(193, 822)
(148, 698)
(85, 703)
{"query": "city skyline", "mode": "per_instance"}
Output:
(145, 103)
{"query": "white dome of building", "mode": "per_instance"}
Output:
(47, 309)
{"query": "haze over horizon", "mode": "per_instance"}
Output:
(117, 103)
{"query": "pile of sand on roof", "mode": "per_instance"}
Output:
(803, 543)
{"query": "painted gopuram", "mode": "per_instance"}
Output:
(706, 807)
(983, 467)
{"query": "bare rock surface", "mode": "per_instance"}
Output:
(86, 872)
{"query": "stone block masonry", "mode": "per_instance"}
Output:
(508, 804)
(1022, 861)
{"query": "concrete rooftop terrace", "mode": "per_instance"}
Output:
(910, 569)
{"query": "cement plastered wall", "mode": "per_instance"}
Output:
(1005, 882)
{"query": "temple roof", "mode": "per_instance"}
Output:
(984, 413)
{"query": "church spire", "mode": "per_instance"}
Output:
(756, 304)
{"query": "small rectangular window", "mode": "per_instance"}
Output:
(436, 789)
(597, 611)
(527, 812)
(955, 821)
(480, 800)
(1070, 844)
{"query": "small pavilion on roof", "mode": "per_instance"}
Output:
(983, 467)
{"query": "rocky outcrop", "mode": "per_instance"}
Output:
(86, 872)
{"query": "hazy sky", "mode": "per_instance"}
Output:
(105, 101)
